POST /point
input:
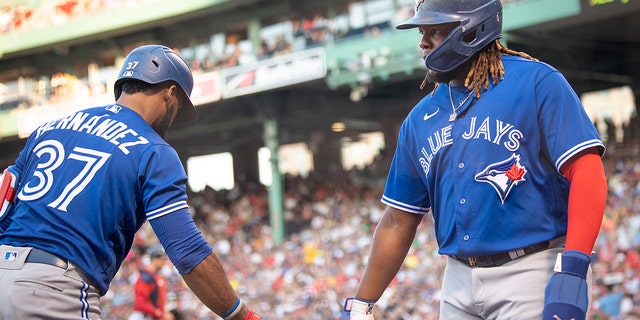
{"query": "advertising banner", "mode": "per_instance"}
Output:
(281, 71)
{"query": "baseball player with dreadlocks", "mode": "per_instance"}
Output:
(84, 184)
(505, 158)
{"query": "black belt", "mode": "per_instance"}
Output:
(499, 259)
(41, 256)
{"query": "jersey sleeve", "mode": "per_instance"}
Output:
(165, 202)
(565, 126)
(163, 182)
(404, 189)
(183, 242)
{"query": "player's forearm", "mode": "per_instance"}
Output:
(391, 242)
(381, 269)
(209, 282)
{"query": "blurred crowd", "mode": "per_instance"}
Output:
(222, 50)
(329, 228)
(31, 15)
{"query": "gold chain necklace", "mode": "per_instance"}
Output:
(454, 109)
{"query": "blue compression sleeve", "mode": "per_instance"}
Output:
(181, 239)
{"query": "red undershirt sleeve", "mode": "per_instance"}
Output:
(587, 199)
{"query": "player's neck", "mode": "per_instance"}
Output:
(456, 83)
(461, 76)
(146, 105)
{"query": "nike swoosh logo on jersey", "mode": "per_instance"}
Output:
(428, 116)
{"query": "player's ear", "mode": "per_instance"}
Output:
(171, 89)
(169, 92)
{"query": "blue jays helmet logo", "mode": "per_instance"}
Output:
(503, 175)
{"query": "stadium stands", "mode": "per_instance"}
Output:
(328, 225)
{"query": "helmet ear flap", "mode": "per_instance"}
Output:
(471, 36)
(480, 23)
(450, 54)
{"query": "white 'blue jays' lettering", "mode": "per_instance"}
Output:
(502, 129)
(439, 140)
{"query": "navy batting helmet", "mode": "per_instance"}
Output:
(482, 18)
(155, 64)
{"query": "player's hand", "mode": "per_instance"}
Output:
(356, 309)
(566, 296)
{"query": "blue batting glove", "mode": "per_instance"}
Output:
(567, 294)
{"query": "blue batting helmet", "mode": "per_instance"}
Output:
(155, 64)
(480, 17)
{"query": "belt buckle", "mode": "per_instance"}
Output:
(472, 262)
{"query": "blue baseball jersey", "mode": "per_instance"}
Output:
(491, 177)
(87, 183)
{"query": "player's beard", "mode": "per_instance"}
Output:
(163, 124)
(441, 77)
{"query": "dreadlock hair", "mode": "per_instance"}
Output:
(488, 65)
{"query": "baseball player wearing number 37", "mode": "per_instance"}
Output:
(84, 184)
(504, 157)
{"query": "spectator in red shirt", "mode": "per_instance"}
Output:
(150, 290)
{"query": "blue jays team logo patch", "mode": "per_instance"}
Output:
(503, 175)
